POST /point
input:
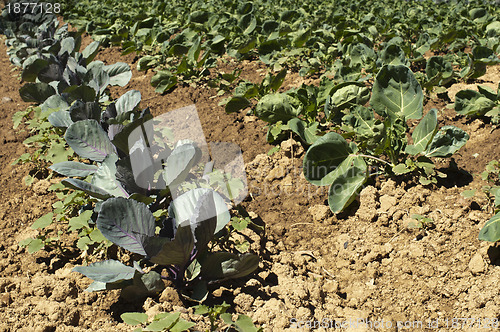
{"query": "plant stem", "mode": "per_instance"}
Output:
(375, 158)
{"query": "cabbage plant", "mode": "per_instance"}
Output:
(180, 247)
(379, 141)
(148, 204)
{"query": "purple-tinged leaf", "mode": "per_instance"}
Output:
(183, 207)
(87, 187)
(107, 271)
(73, 168)
(105, 177)
(178, 251)
(225, 265)
(127, 223)
(89, 140)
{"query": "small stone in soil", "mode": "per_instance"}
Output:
(476, 264)
(5, 300)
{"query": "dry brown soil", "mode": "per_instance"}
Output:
(365, 263)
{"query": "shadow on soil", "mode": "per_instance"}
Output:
(494, 254)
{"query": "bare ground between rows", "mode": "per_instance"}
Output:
(365, 263)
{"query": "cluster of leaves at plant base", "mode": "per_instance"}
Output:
(246, 91)
(173, 322)
(49, 143)
(164, 321)
(397, 97)
(332, 160)
(308, 37)
(180, 246)
(484, 102)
